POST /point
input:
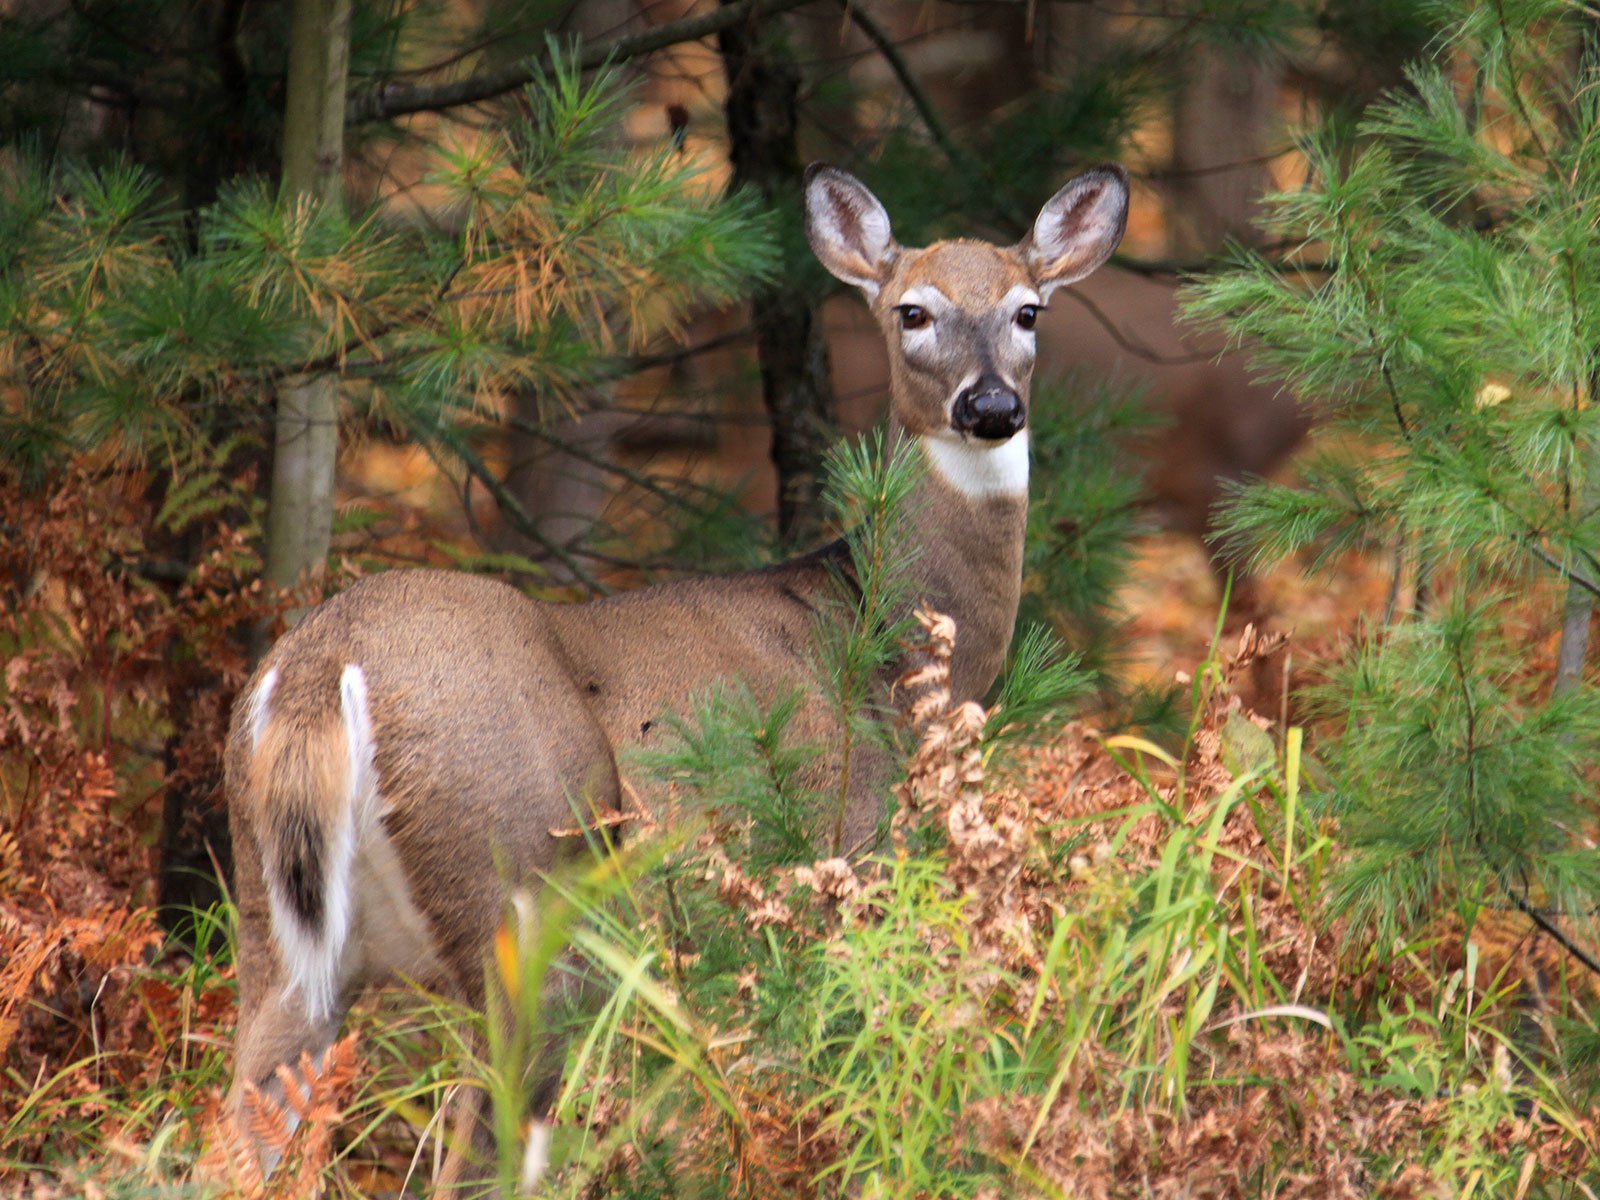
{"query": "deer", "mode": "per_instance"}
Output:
(401, 758)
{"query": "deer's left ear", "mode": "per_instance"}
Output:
(1078, 229)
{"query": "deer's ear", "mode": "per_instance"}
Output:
(847, 228)
(1079, 228)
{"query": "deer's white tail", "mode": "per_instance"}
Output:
(310, 794)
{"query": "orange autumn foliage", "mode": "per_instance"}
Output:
(118, 675)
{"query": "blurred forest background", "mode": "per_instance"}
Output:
(295, 291)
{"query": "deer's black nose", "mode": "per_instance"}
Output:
(988, 409)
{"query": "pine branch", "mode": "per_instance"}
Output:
(339, 357)
(1536, 914)
(388, 100)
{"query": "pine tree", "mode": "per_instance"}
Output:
(133, 332)
(569, 249)
(1441, 312)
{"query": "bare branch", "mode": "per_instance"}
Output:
(646, 362)
(1560, 568)
(640, 480)
(394, 100)
(1550, 927)
(914, 92)
(522, 521)
(1130, 344)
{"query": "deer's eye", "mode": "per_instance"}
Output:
(1028, 316)
(913, 316)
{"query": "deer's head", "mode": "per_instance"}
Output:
(958, 316)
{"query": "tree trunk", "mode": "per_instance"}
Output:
(305, 445)
(1222, 130)
(1068, 38)
(1223, 127)
(1573, 652)
(306, 435)
(566, 494)
(763, 88)
(194, 834)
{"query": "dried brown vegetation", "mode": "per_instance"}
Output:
(1274, 1098)
(298, 1131)
(117, 685)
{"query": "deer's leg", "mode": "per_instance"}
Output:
(473, 1151)
(276, 1032)
(472, 1147)
(274, 1028)
(470, 1156)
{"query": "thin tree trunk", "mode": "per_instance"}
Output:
(313, 117)
(1573, 651)
(1222, 129)
(763, 90)
(194, 835)
(305, 445)
(306, 437)
(566, 494)
(1068, 38)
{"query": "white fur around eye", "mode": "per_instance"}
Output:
(931, 301)
(1019, 295)
(924, 296)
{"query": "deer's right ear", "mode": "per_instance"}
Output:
(847, 228)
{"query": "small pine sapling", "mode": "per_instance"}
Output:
(1439, 306)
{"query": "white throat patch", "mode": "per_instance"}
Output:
(978, 469)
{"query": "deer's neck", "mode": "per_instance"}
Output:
(968, 518)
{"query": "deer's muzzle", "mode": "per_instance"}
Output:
(988, 410)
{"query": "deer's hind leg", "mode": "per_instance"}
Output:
(506, 894)
(389, 939)
(474, 1152)
(274, 1027)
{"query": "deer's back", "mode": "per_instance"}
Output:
(486, 703)
(641, 654)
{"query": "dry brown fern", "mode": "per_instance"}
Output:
(987, 835)
(296, 1134)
